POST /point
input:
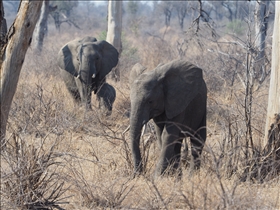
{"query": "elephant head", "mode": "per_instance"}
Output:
(85, 64)
(136, 70)
(163, 94)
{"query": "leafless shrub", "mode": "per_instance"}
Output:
(100, 194)
(30, 176)
(266, 165)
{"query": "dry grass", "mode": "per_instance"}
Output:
(82, 160)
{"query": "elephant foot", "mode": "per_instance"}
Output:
(138, 169)
(185, 158)
(88, 107)
(195, 163)
(173, 169)
(106, 113)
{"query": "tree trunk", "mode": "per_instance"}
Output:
(114, 31)
(19, 39)
(273, 109)
(260, 29)
(41, 27)
(3, 30)
(272, 130)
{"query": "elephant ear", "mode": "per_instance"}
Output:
(136, 70)
(67, 57)
(181, 82)
(110, 58)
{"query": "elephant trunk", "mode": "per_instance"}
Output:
(87, 98)
(135, 133)
(87, 74)
(137, 120)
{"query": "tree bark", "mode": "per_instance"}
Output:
(261, 19)
(273, 109)
(19, 39)
(115, 31)
(41, 27)
(3, 30)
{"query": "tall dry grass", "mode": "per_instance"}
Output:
(61, 157)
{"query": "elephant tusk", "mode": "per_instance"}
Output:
(93, 76)
(127, 129)
(142, 133)
(78, 76)
(144, 130)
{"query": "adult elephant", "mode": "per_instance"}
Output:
(173, 95)
(84, 64)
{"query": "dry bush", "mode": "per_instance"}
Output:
(30, 175)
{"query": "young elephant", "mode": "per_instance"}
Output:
(173, 95)
(84, 64)
(106, 96)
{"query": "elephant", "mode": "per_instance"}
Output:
(136, 70)
(174, 95)
(84, 64)
(106, 96)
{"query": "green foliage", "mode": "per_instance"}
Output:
(102, 36)
(236, 26)
(128, 49)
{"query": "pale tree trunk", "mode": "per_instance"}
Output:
(261, 20)
(272, 130)
(41, 27)
(19, 39)
(115, 31)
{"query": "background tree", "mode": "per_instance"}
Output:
(63, 13)
(3, 26)
(181, 8)
(272, 130)
(167, 7)
(132, 7)
(114, 31)
(19, 39)
(42, 26)
(261, 23)
(230, 7)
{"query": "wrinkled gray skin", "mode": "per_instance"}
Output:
(84, 64)
(106, 96)
(173, 95)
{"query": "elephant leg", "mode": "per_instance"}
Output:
(72, 88)
(185, 151)
(84, 92)
(171, 146)
(106, 96)
(197, 142)
(177, 154)
(76, 96)
(104, 105)
(159, 126)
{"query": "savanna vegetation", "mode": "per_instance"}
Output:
(59, 156)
